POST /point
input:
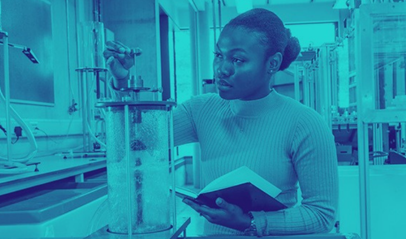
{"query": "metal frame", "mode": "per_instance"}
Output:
(324, 83)
(297, 79)
(4, 37)
(366, 98)
(85, 78)
(175, 232)
(308, 84)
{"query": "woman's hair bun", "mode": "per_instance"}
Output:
(291, 52)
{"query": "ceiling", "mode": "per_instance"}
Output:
(257, 3)
(275, 2)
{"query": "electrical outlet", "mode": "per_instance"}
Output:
(33, 125)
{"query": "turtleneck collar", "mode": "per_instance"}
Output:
(255, 108)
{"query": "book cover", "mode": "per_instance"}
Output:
(241, 187)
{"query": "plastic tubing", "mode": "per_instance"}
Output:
(30, 135)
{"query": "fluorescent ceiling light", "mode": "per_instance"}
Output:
(243, 5)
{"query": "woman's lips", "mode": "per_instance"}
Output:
(223, 85)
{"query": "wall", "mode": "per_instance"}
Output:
(289, 13)
(56, 123)
(29, 82)
(134, 24)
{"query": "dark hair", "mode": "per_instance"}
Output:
(272, 33)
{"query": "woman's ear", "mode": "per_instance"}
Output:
(274, 62)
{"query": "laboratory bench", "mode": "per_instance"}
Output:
(50, 169)
(48, 203)
(39, 202)
(312, 236)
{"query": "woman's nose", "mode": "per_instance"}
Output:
(224, 69)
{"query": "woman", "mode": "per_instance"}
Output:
(248, 123)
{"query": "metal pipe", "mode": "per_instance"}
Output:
(219, 11)
(84, 116)
(68, 50)
(129, 171)
(4, 36)
(78, 53)
(96, 11)
(97, 73)
(363, 156)
(172, 158)
(214, 23)
(89, 115)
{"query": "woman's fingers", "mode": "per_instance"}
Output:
(112, 46)
(107, 54)
(122, 48)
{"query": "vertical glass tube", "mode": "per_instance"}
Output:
(91, 44)
(137, 169)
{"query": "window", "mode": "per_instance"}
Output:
(313, 34)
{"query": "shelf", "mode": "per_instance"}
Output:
(384, 116)
(344, 126)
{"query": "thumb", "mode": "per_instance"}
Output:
(224, 205)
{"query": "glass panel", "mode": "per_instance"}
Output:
(326, 33)
(183, 63)
(389, 49)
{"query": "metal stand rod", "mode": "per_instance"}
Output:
(297, 82)
(88, 113)
(84, 112)
(85, 85)
(363, 156)
(172, 160)
(214, 22)
(129, 172)
(4, 36)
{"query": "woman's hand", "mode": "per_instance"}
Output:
(120, 59)
(228, 215)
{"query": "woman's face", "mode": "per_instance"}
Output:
(240, 66)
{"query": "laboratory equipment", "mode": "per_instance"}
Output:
(325, 82)
(92, 73)
(26, 51)
(139, 145)
(91, 42)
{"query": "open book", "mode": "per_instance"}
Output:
(241, 187)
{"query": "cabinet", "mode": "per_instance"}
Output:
(380, 43)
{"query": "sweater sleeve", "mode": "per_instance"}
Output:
(314, 158)
(185, 118)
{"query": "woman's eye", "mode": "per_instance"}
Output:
(236, 60)
(217, 55)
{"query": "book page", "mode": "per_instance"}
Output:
(240, 176)
(185, 193)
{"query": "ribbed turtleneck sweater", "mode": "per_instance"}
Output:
(283, 141)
